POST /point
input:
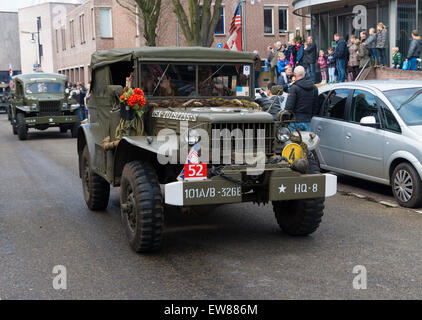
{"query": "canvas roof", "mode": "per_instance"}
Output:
(31, 77)
(170, 54)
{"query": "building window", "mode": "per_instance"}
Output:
(82, 28)
(93, 29)
(105, 23)
(268, 20)
(282, 20)
(57, 40)
(72, 33)
(63, 38)
(220, 26)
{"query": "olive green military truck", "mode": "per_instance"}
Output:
(4, 96)
(200, 104)
(39, 102)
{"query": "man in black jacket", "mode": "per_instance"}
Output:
(303, 99)
(415, 50)
(310, 58)
(340, 54)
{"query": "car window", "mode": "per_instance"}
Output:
(321, 100)
(336, 104)
(364, 104)
(390, 121)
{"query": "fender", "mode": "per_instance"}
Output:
(404, 155)
(87, 135)
(140, 147)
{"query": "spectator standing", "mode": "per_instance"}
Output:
(269, 58)
(281, 69)
(277, 48)
(340, 54)
(303, 99)
(372, 45)
(381, 43)
(331, 64)
(322, 63)
(353, 63)
(310, 58)
(363, 36)
(293, 53)
(397, 60)
(300, 53)
(415, 50)
(363, 55)
(82, 94)
(257, 67)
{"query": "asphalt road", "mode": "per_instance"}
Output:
(237, 252)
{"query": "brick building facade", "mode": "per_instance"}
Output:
(104, 24)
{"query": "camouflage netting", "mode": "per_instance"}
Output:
(208, 103)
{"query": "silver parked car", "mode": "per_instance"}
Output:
(373, 130)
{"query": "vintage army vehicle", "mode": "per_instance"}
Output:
(4, 96)
(199, 100)
(39, 101)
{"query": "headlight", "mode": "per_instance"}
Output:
(34, 106)
(192, 136)
(75, 106)
(283, 134)
(65, 105)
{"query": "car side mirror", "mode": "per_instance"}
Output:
(369, 121)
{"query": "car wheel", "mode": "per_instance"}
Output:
(63, 129)
(95, 188)
(141, 206)
(22, 129)
(14, 128)
(407, 186)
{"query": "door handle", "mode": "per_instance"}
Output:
(319, 129)
(348, 136)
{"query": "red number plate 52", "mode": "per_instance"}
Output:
(195, 171)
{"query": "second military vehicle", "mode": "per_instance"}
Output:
(4, 95)
(39, 102)
(199, 100)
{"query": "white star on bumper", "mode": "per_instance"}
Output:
(282, 189)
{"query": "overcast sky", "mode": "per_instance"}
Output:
(9, 5)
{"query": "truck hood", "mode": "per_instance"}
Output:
(45, 97)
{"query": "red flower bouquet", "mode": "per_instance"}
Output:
(135, 99)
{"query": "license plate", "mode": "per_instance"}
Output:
(195, 171)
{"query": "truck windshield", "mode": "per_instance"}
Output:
(184, 80)
(44, 87)
(408, 103)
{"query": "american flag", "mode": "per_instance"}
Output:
(235, 38)
(193, 157)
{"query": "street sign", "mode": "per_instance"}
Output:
(220, 45)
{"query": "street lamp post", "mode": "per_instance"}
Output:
(37, 33)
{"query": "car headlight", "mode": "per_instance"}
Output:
(65, 105)
(75, 106)
(283, 134)
(34, 106)
(192, 136)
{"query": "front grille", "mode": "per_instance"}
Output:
(49, 108)
(269, 129)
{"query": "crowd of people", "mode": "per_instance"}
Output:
(341, 63)
(79, 93)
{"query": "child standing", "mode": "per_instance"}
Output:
(281, 69)
(397, 58)
(371, 43)
(331, 63)
(322, 62)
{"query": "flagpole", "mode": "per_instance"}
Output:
(243, 25)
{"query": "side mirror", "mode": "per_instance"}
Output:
(369, 121)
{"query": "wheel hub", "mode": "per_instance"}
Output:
(129, 209)
(403, 185)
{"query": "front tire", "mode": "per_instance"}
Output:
(141, 206)
(22, 129)
(95, 188)
(407, 186)
(63, 129)
(300, 217)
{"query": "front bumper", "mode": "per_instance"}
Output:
(51, 120)
(282, 185)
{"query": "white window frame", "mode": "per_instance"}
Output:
(267, 7)
(82, 28)
(111, 23)
(224, 23)
(287, 19)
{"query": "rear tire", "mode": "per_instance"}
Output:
(407, 186)
(300, 217)
(22, 129)
(14, 128)
(63, 129)
(95, 188)
(141, 206)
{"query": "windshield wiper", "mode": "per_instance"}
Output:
(212, 74)
(413, 97)
(161, 79)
